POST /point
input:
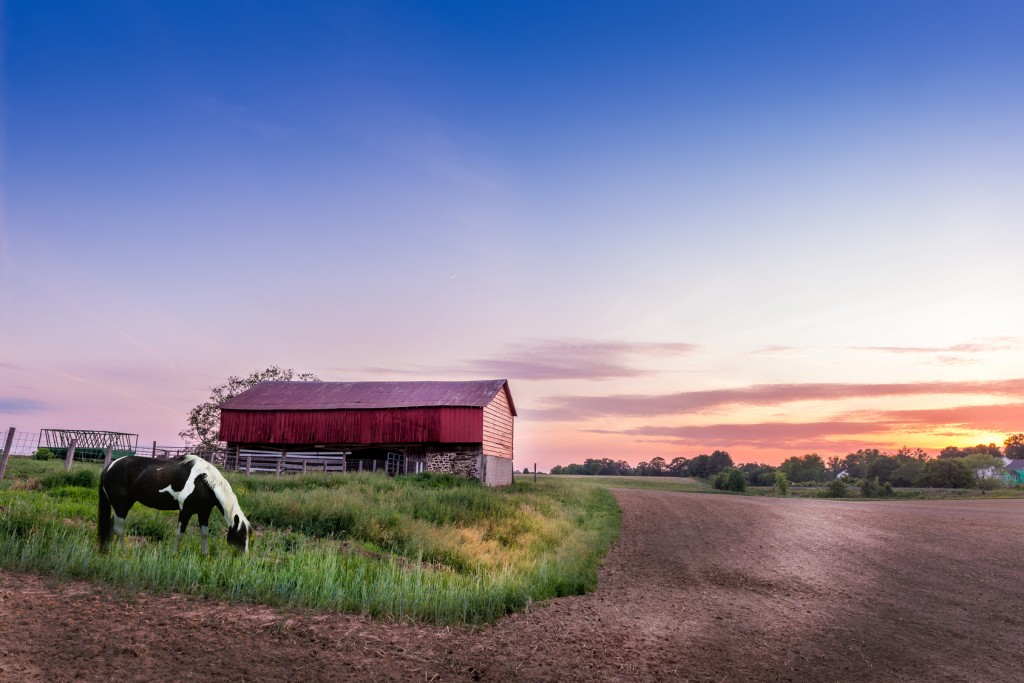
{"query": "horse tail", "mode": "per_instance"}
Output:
(103, 527)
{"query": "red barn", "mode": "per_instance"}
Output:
(459, 427)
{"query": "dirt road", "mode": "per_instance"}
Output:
(700, 588)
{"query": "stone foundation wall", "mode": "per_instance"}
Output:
(461, 462)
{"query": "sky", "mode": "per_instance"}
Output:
(674, 227)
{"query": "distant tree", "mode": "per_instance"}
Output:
(907, 452)
(699, 466)
(987, 469)
(679, 467)
(718, 461)
(204, 420)
(950, 452)
(856, 464)
(1014, 447)
(954, 452)
(833, 466)
(658, 466)
(907, 474)
(884, 466)
(809, 467)
(757, 474)
(557, 469)
(948, 474)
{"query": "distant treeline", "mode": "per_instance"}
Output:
(953, 468)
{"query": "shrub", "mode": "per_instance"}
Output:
(781, 483)
(949, 474)
(44, 454)
(730, 479)
(870, 488)
(887, 490)
(835, 489)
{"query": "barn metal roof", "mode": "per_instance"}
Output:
(367, 395)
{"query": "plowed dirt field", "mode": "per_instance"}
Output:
(699, 588)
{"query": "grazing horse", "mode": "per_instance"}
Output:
(189, 484)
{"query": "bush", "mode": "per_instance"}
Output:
(44, 454)
(781, 483)
(948, 474)
(836, 489)
(730, 479)
(870, 488)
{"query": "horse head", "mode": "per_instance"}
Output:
(239, 533)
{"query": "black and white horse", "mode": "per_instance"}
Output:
(189, 484)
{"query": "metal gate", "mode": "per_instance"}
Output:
(395, 464)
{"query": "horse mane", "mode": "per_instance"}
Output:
(221, 489)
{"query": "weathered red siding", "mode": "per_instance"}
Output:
(393, 425)
(497, 426)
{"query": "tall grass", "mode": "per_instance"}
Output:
(430, 547)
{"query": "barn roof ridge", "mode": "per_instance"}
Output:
(285, 395)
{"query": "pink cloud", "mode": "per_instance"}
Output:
(567, 408)
(1002, 418)
(558, 360)
(987, 346)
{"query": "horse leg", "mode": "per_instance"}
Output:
(120, 513)
(119, 527)
(182, 525)
(204, 530)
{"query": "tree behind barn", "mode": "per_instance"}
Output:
(204, 419)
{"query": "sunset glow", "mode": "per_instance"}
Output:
(772, 229)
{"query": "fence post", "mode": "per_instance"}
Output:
(534, 473)
(108, 455)
(7, 452)
(154, 449)
(284, 454)
(71, 454)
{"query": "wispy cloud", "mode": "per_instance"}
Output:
(591, 360)
(1002, 418)
(984, 346)
(632, 405)
(558, 360)
(852, 430)
(20, 406)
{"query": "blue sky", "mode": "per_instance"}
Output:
(596, 199)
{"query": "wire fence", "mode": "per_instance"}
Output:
(26, 444)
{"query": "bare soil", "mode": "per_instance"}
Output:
(699, 588)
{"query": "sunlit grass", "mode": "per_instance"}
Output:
(434, 547)
(685, 484)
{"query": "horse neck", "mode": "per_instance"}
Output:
(222, 492)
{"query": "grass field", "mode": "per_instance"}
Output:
(684, 484)
(430, 547)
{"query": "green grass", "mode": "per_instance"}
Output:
(695, 485)
(685, 484)
(430, 547)
(853, 493)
